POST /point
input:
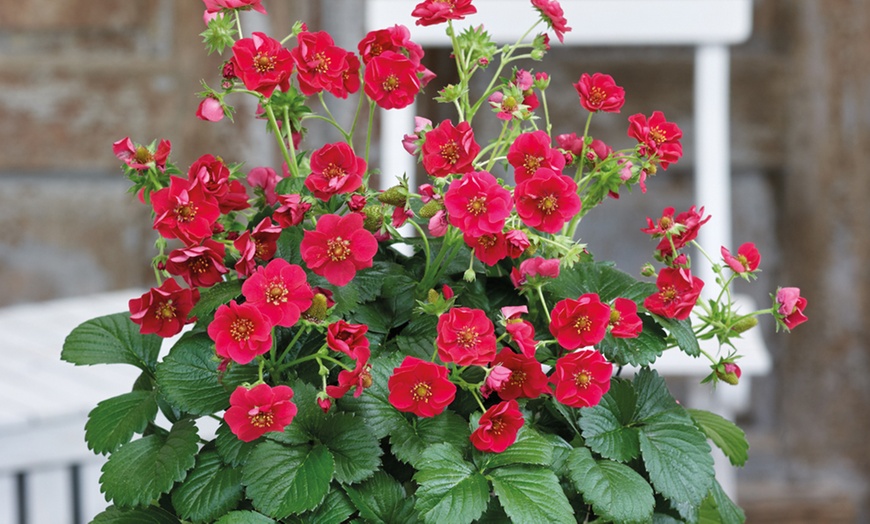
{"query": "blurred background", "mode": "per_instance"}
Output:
(77, 75)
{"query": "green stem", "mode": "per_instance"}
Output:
(293, 342)
(369, 134)
(546, 111)
(239, 25)
(292, 166)
(476, 396)
(497, 150)
(543, 302)
(270, 113)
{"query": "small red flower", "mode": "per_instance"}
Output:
(391, 80)
(262, 64)
(140, 157)
(449, 149)
(240, 332)
(210, 110)
(488, 248)
(678, 293)
(347, 338)
(531, 151)
(553, 14)
(791, 306)
(280, 291)
(335, 169)
(517, 243)
(580, 323)
(657, 137)
(547, 200)
(495, 379)
(291, 210)
(527, 378)
(215, 6)
(466, 336)
(624, 320)
(163, 310)
(214, 177)
(321, 64)
(431, 12)
(199, 266)
(420, 387)
(360, 377)
(184, 211)
(498, 427)
(581, 378)
(477, 204)
(682, 229)
(747, 258)
(338, 248)
(265, 179)
(600, 93)
(258, 410)
(257, 245)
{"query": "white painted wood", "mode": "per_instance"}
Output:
(7, 499)
(49, 496)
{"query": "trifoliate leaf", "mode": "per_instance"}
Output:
(724, 433)
(114, 421)
(210, 490)
(381, 499)
(411, 438)
(353, 445)
(531, 495)
(335, 509)
(111, 339)
(616, 491)
(718, 508)
(451, 489)
(652, 393)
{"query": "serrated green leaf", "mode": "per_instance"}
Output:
(285, 480)
(210, 489)
(353, 445)
(381, 499)
(652, 393)
(616, 491)
(374, 404)
(531, 495)
(288, 242)
(602, 278)
(114, 421)
(606, 428)
(451, 489)
(682, 332)
(244, 517)
(640, 351)
(111, 339)
(189, 379)
(411, 438)
(149, 515)
(725, 434)
(677, 457)
(529, 448)
(418, 337)
(231, 449)
(212, 298)
(139, 471)
(718, 508)
(335, 509)
(561, 452)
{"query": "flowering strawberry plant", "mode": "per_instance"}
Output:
(319, 373)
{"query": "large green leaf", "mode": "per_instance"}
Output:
(147, 515)
(114, 421)
(682, 332)
(231, 449)
(531, 495)
(607, 427)
(374, 404)
(529, 448)
(451, 489)
(139, 471)
(602, 278)
(285, 480)
(418, 337)
(725, 434)
(210, 490)
(111, 339)
(640, 351)
(616, 491)
(245, 517)
(212, 298)
(718, 508)
(381, 499)
(653, 396)
(411, 438)
(353, 445)
(335, 509)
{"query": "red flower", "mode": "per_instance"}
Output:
(624, 320)
(240, 332)
(581, 378)
(465, 336)
(163, 310)
(292, 210)
(346, 338)
(552, 13)
(349, 77)
(214, 177)
(531, 151)
(391, 80)
(396, 38)
(527, 378)
(431, 12)
(517, 243)
(523, 333)
(259, 410)
(495, 379)
(184, 211)
(214, 6)
(265, 179)
(448, 149)
(682, 229)
(335, 169)
(140, 157)
(600, 93)
(280, 291)
(360, 377)
(580, 323)
(477, 204)
(547, 200)
(210, 110)
(678, 293)
(199, 266)
(262, 64)
(420, 387)
(257, 245)
(498, 427)
(338, 248)
(488, 248)
(791, 307)
(320, 63)
(747, 258)
(658, 138)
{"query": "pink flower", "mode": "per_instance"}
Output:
(401, 215)
(199, 266)
(163, 310)
(214, 177)
(517, 243)
(184, 211)
(210, 110)
(495, 379)
(465, 336)
(410, 142)
(258, 410)
(477, 204)
(677, 295)
(262, 64)
(140, 157)
(498, 427)
(553, 14)
(747, 258)
(338, 248)
(266, 179)
(438, 224)
(335, 169)
(522, 332)
(580, 323)
(427, 193)
(431, 12)
(321, 64)
(349, 339)
(240, 332)
(292, 210)
(657, 137)
(280, 291)
(527, 379)
(681, 229)
(600, 93)
(391, 80)
(449, 149)
(214, 6)
(535, 269)
(420, 387)
(581, 378)
(624, 320)
(791, 306)
(531, 151)
(547, 200)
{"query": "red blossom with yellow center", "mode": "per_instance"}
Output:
(547, 200)
(477, 204)
(262, 64)
(677, 295)
(466, 336)
(580, 323)
(431, 12)
(527, 378)
(531, 151)
(184, 211)
(338, 248)
(420, 387)
(240, 332)
(163, 310)
(581, 378)
(498, 427)
(599, 92)
(259, 410)
(280, 291)
(657, 137)
(449, 149)
(391, 80)
(335, 169)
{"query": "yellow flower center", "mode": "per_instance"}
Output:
(241, 329)
(262, 419)
(597, 95)
(582, 324)
(337, 249)
(421, 392)
(165, 311)
(467, 337)
(450, 152)
(276, 293)
(391, 83)
(548, 204)
(477, 205)
(658, 135)
(264, 63)
(582, 379)
(332, 171)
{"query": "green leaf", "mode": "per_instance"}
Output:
(606, 427)
(411, 438)
(724, 433)
(640, 351)
(682, 332)
(677, 457)
(210, 489)
(718, 508)
(284, 480)
(212, 298)
(244, 517)
(114, 421)
(531, 495)
(451, 489)
(335, 509)
(616, 491)
(374, 404)
(189, 379)
(354, 447)
(148, 515)
(381, 499)
(288, 242)
(111, 339)
(529, 448)
(418, 337)
(653, 396)
(602, 278)
(231, 449)
(139, 471)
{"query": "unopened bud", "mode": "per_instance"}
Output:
(430, 208)
(395, 196)
(469, 275)
(433, 296)
(648, 270)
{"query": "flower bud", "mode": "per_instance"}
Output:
(729, 373)
(648, 270)
(469, 275)
(430, 208)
